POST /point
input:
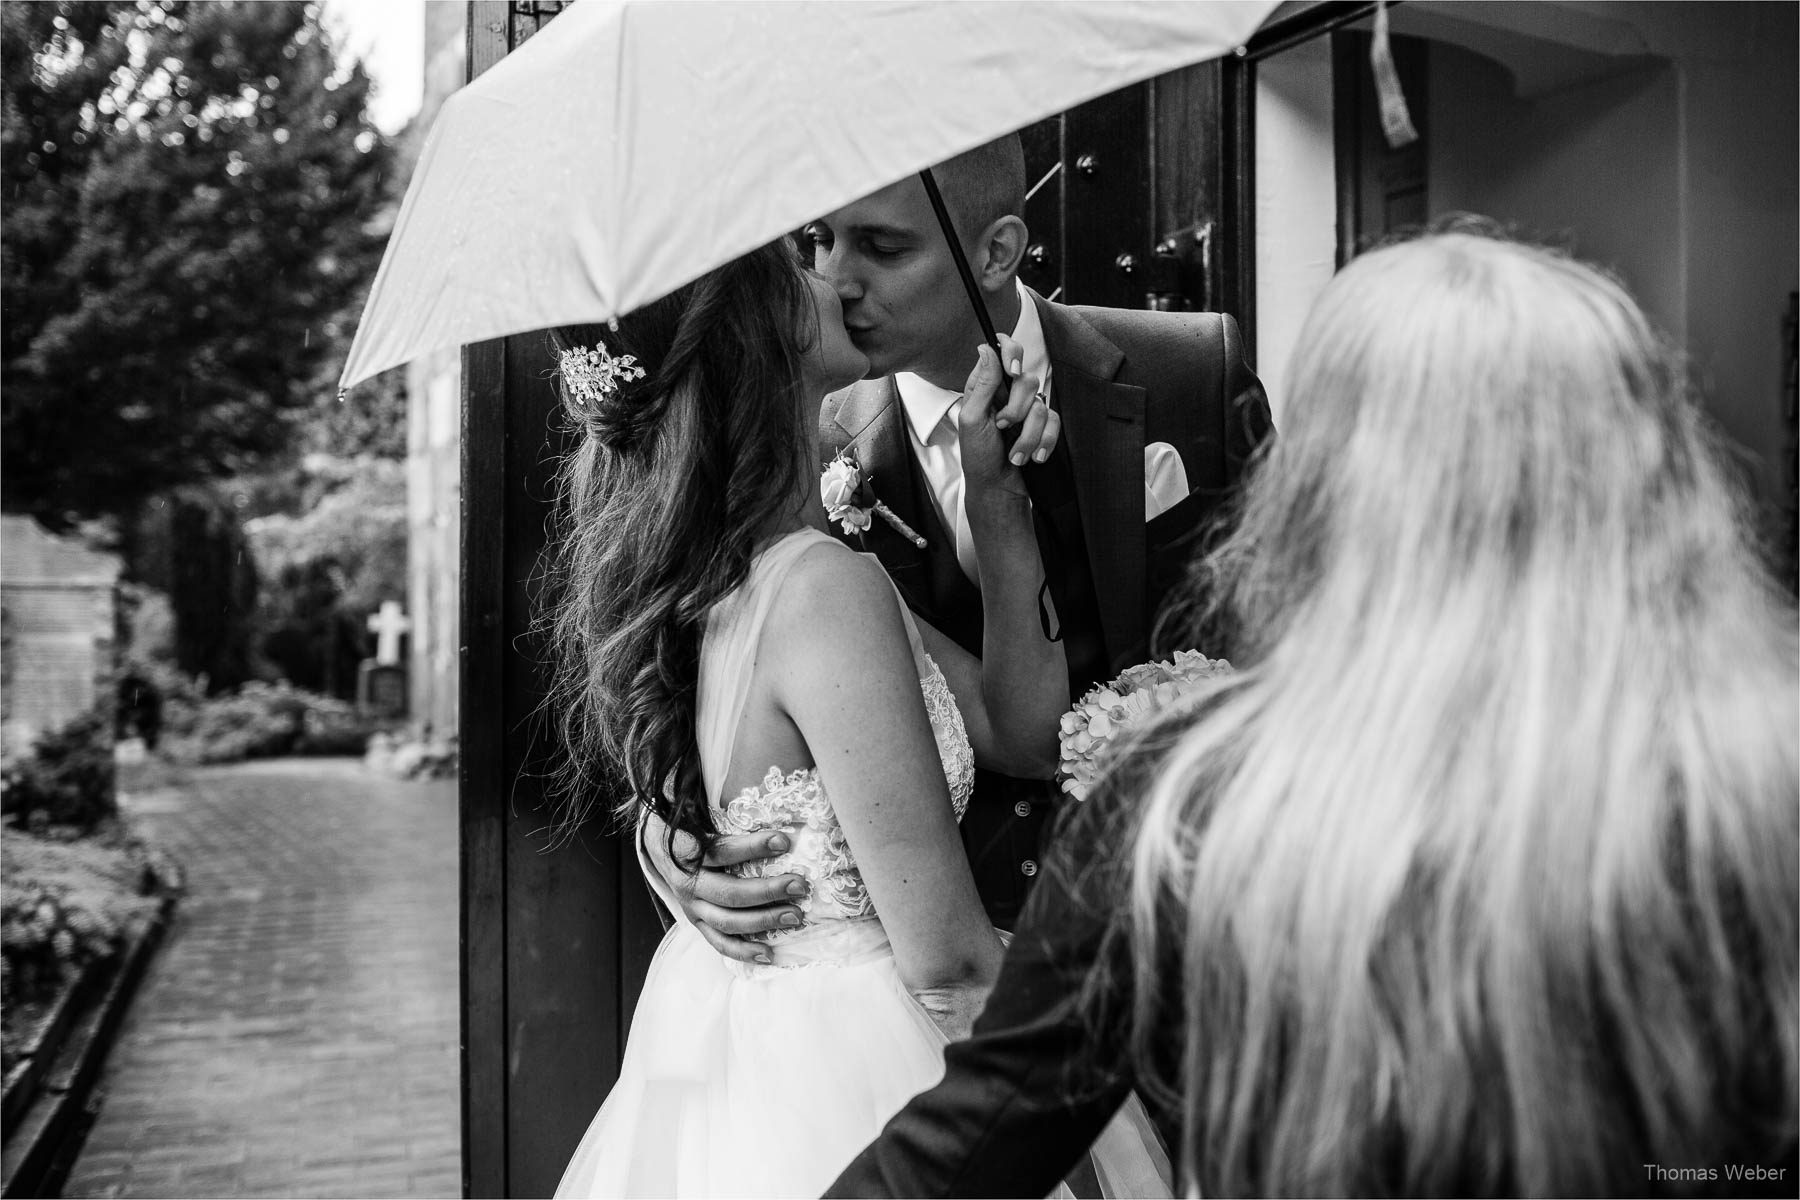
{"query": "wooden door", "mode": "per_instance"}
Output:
(555, 941)
(1124, 196)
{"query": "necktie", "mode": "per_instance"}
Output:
(954, 511)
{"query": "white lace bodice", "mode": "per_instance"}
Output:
(796, 804)
(795, 801)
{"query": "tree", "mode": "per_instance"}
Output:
(191, 192)
(370, 423)
(331, 566)
(190, 545)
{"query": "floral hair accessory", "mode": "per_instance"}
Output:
(593, 375)
(849, 501)
(1124, 704)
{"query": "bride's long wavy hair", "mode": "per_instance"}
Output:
(1481, 874)
(661, 502)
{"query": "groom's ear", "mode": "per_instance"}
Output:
(1004, 242)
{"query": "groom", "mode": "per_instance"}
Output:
(1160, 414)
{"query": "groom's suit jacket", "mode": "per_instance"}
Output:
(1121, 379)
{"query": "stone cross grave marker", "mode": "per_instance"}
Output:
(387, 626)
(381, 681)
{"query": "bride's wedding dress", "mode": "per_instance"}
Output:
(766, 1080)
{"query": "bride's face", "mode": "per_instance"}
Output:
(833, 361)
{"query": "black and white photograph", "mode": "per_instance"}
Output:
(899, 598)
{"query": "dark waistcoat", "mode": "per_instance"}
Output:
(1004, 825)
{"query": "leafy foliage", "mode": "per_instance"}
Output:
(190, 545)
(369, 424)
(190, 190)
(46, 935)
(65, 901)
(406, 756)
(259, 720)
(328, 566)
(67, 779)
(353, 516)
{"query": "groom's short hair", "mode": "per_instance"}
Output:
(984, 184)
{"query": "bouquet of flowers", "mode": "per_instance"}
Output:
(1123, 704)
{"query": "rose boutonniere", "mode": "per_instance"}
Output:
(1127, 702)
(850, 501)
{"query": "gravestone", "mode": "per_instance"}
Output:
(381, 681)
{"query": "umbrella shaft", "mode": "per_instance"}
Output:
(1010, 434)
(962, 263)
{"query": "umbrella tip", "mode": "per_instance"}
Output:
(342, 392)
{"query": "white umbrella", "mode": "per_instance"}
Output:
(629, 148)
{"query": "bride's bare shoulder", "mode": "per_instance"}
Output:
(834, 598)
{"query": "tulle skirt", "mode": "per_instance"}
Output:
(745, 1080)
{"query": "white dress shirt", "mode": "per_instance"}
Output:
(932, 413)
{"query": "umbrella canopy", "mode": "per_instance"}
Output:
(629, 148)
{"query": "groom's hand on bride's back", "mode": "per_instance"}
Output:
(725, 908)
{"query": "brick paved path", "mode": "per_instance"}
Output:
(297, 1033)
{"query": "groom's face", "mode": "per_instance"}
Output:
(904, 304)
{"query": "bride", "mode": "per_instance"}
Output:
(727, 667)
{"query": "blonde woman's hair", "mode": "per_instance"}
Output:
(1481, 874)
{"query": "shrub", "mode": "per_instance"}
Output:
(47, 935)
(263, 720)
(410, 758)
(67, 779)
(65, 901)
(332, 727)
(177, 692)
(256, 721)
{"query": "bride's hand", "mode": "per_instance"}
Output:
(988, 464)
(954, 1009)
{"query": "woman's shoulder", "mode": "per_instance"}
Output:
(825, 566)
(831, 594)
